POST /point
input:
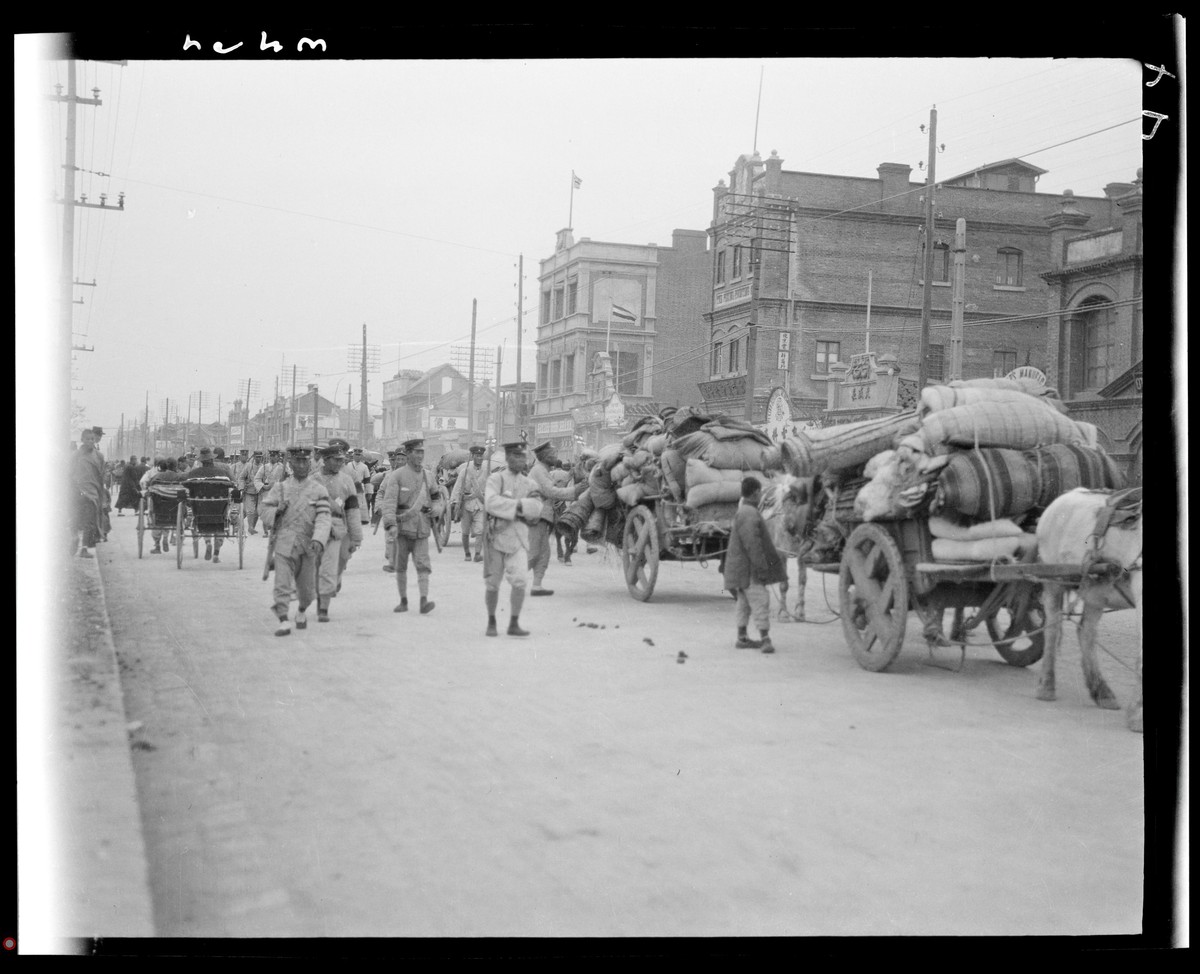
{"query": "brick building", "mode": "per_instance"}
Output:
(833, 252)
(434, 404)
(1095, 324)
(620, 334)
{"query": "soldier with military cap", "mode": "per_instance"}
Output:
(360, 473)
(296, 512)
(345, 534)
(253, 484)
(512, 502)
(539, 533)
(411, 501)
(467, 500)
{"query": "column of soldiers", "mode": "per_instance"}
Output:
(315, 519)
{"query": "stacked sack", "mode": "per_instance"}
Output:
(1010, 449)
(836, 449)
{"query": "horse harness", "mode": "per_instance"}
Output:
(1122, 509)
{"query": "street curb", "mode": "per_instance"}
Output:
(107, 892)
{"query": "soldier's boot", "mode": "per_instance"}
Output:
(402, 607)
(426, 605)
(745, 642)
(491, 599)
(466, 549)
(301, 619)
(285, 626)
(515, 603)
(322, 610)
(767, 645)
(156, 550)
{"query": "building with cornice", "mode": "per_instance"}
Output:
(620, 334)
(830, 267)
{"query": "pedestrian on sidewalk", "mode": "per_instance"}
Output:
(345, 534)
(412, 501)
(296, 513)
(751, 564)
(512, 502)
(92, 500)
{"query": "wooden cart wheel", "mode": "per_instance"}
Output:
(1010, 626)
(874, 596)
(179, 512)
(141, 525)
(443, 527)
(639, 552)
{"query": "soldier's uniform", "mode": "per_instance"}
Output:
(360, 473)
(253, 485)
(467, 500)
(345, 534)
(411, 500)
(539, 533)
(297, 514)
(511, 501)
(396, 457)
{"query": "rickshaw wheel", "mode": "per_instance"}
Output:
(241, 536)
(1009, 627)
(874, 597)
(141, 525)
(639, 552)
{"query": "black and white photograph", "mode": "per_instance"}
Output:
(529, 499)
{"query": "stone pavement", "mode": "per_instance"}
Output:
(102, 887)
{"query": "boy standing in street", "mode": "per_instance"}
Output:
(751, 564)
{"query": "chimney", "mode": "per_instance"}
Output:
(1131, 218)
(774, 179)
(893, 182)
(1064, 222)
(719, 192)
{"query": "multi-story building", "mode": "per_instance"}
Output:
(435, 405)
(829, 267)
(1095, 322)
(620, 333)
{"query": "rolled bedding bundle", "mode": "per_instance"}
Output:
(1004, 425)
(844, 447)
(699, 472)
(1031, 387)
(733, 450)
(936, 398)
(716, 492)
(983, 549)
(944, 527)
(600, 487)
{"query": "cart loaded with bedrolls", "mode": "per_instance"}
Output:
(669, 491)
(937, 508)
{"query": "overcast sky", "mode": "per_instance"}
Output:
(274, 207)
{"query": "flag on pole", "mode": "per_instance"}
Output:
(576, 182)
(623, 313)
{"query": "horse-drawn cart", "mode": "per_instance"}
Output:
(658, 529)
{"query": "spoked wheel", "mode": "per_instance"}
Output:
(1011, 626)
(241, 536)
(639, 552)
(179, 510)
(443, 528)
(141, 525)
(874, 597)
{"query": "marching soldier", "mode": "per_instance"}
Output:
(253, 485)
(396, 457)
(512, 502)
(345, 533)
(360, 473)
(411, 500)
(296, 512)
(539, 533)
(467, 500)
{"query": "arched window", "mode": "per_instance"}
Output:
(716, 357)
(1096, 325)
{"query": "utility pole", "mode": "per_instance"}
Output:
(292, 410)
(471, 378)
(520, 322)
(499, 398)
(362, 388)
(66, 334)
(751, 328)
(314, 395)
(958, 299)
(927, 292)
(146, 424)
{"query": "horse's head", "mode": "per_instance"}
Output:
(784, 506)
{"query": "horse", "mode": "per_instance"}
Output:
(784, 508)
(1093, 529)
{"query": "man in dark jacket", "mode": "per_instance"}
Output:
(751, 564)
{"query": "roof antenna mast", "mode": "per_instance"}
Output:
(758, 106)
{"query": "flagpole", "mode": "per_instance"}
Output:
(571, 207)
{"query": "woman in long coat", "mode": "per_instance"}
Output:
(130, 486)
